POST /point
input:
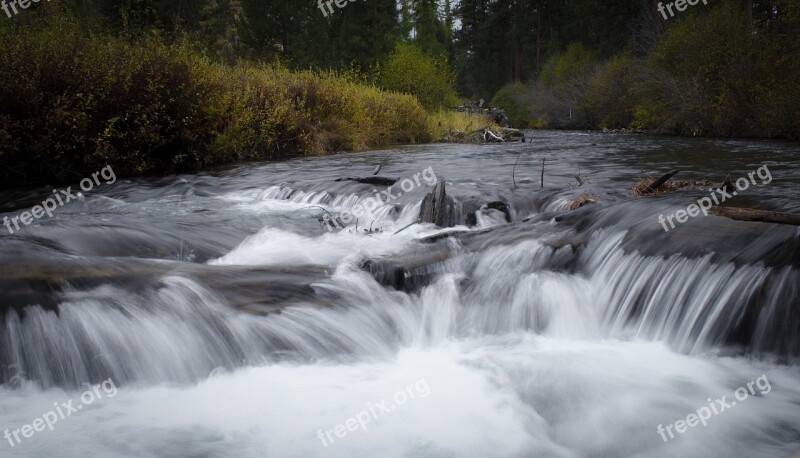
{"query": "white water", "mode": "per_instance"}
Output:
(526, 360)
(511, 395)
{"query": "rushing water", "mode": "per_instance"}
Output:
(231, 323)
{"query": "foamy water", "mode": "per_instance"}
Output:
(512, 395)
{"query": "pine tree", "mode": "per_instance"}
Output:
(294, 32)
(365, 32)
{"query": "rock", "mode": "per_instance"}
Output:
(437, 207)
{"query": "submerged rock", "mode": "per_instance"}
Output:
(459, 207)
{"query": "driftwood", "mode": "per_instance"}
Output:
(653, 187)
(489, 136)
(761, 216)
(509, 134)
(542, 173)
(411, 271)
(406, 227)
(484, 135)
(379, 181)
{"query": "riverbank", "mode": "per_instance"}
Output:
(713, 72)
(71, 103)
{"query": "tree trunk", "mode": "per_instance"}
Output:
(538, 42)
(761, 216)
(747, 6)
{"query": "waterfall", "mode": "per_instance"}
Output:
(181, 331)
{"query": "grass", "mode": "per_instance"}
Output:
(71, 104)
(444, 122)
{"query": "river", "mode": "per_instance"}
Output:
(231, 322)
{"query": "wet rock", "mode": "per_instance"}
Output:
(459, 206)
(437, 207)
(45, 278)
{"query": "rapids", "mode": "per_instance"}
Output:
(234, 324)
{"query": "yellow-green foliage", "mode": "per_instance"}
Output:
(442, 122)
(273, 108)
(706, 59)
(711, 75)
(607, 100)
(515, 99)
(70, 104)
(558, 99)
(565, 68)
(410, 70)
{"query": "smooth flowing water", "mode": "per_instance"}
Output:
(231, 322)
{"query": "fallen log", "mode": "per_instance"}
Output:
(483, 135)
(374, 180)
(46, 281)
(411, 271)
(489, 136)
(509, 133)
(653, 187)
(761, 216)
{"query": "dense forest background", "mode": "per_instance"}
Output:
(169, 85)
(729, 68)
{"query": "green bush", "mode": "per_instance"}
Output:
(568, 68)
(708, 75)
(608, 99)
(717, 78)
(559, 97)
(515, 100)
(70, 104)
(412, 71)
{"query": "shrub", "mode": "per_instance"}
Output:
(428, 77)
(710, 69)
(515, 100)
(559, 97)
(608, 100)
(442, 123)
(568, 68)
(71, 103)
